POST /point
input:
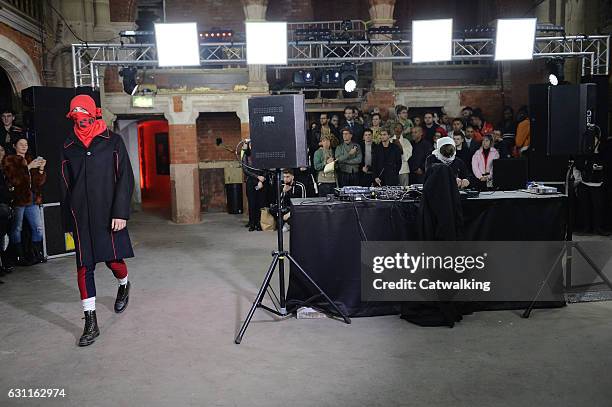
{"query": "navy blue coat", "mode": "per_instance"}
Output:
(97, 187)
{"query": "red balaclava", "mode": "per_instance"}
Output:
(86, 125)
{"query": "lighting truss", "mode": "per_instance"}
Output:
(594, 51)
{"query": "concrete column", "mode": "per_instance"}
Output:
(102, 14)
(574, 25)
(243, 115)
(255, 10)
(381, 13)
(542, 12)
(80, 15)
(184, 173)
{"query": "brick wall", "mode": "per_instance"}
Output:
(122, 10)
(383, 100)
(29, 45)
(283, 10)
(224, 14)
(325, 10)
(489, 101)
(213, 125)
(212, 190)
(522, 74)
(112, 80)
(183, 144)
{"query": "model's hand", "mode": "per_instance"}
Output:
(378, 181)
(465, 183)
(118, 224)
(261, 178)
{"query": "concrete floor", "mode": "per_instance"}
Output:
(192, 285)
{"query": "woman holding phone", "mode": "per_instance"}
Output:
(25, 177)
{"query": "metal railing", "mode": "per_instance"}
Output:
(592, 50)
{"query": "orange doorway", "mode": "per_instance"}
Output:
(154, 165)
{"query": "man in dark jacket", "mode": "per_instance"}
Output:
(421, 149)
(256, 185)
(97, 191)
(9, 132)
(354, 126)
(387, 161)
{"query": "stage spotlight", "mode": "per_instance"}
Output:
(305, 78)
(266, 43)
(349, 77)
(177, 44)
(129, 80)
(331, 78)
(350, 85)
(515, 39)
(432, 40)
(553, 80)
(217, 35)
(555, 71)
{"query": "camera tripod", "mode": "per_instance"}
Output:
(278, 259)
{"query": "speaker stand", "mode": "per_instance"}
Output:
(278, 259)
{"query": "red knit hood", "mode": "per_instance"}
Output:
(88, 124)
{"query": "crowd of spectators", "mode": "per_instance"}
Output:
(366, 150)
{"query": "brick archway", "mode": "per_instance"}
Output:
(18, 65)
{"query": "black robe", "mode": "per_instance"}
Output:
(97, 186)
(440, 219)
(441, 213)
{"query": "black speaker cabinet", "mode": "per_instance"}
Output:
(45, 120)
(54, 235)
(278, 131)
(559, 117)
(572, 109)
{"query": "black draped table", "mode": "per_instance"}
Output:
(326, 236)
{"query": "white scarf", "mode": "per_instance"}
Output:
(445, 160)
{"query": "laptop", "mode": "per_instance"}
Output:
(509, 174)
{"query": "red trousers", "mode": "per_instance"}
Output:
(85, 275)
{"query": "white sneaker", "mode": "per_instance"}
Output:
(285, 228)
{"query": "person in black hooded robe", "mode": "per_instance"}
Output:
(440, 219)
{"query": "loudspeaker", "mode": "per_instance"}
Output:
(278, 131)
(45, 110)
(572, 112)
(559, 116)
(54, 235)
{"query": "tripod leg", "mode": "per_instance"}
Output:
(258, 299)
(535, 298)
(292, 260)
(593, 266)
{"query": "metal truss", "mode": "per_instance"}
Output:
(594, 51)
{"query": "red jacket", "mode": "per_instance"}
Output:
(21, 182)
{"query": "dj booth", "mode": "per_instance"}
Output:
(326, 236)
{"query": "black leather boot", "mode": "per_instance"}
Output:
(39, 252)
(91, 330)
(123, 297)
(21, 258)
